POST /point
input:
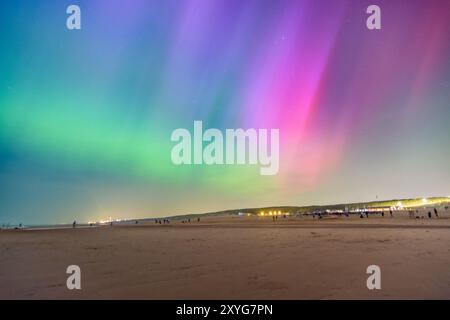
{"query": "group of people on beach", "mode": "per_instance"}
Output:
(162, 221)
(412, 214)
(275, 218)
(416, 214)
(365, 214)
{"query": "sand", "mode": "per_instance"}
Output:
(232, 258)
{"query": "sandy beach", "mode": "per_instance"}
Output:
(233, 258)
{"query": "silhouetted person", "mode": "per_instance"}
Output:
(429, 214)
(74, 224)
(436, 213)
(382, 213)
(390, 212)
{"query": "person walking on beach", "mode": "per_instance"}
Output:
(74, 224)
(390, 212)
(429, 214)
(436, 213)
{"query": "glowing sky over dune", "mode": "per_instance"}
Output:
(86, 115)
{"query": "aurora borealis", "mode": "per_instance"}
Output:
(86, 115)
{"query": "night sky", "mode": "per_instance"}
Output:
(86, 115)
